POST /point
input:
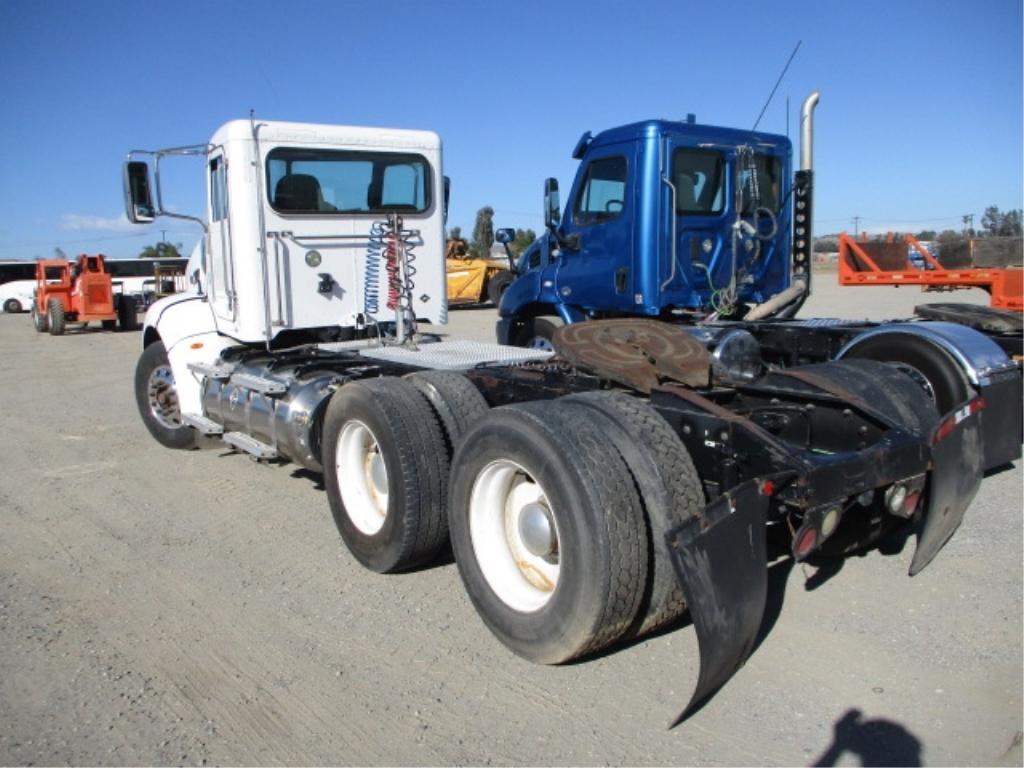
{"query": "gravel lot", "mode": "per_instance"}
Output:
(195, 607)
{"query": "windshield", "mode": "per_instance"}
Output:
(324, 181)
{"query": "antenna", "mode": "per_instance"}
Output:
(777, 82)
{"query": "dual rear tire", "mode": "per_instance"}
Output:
(556, 511)
(558, 514)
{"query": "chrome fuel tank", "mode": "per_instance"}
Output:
(289, 421)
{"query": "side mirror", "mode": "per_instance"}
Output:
(138, 200)
(552, 208)
(505, 235)
(447, 195)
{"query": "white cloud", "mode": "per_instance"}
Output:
(76, 222)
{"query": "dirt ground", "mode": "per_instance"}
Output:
(196, 607)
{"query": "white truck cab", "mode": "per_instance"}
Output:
(311, 233)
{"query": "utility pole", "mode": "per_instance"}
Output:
(856, 226)
(163, 235)
(968, 219)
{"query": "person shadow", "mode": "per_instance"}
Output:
(875, 741)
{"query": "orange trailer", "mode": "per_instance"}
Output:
(858, 267)
(79, 291)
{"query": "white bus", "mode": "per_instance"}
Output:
(17, 284)
(135, 277)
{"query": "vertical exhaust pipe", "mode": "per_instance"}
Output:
(786, 304)
(807, 131)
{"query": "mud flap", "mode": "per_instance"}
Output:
(721, 563)
(957, 455)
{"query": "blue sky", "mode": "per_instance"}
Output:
(920, 120)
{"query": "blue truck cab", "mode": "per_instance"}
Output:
(665, 219)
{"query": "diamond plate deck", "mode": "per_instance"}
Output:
(455, 355)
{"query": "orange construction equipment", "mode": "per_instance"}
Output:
(858, 267)
(79, 291)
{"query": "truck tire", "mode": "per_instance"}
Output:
(157, 399)
(497, 286)
(945, 382)
(535, 333)
(55, 317)
(455, 400)
(892, 390)
(39, 319)
(11, 306)
(386, 472)
(127, 314)
(547, 531)
(670, 489)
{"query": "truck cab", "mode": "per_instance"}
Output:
(296, 236)
(664, 219)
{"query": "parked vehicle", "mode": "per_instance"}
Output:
(473, 280)
(79, 291)
(596, 494)
(16, 295)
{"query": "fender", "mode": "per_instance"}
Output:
(977, 355)
(185, 324)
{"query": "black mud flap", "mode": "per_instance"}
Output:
(720, 562)
(957, 455)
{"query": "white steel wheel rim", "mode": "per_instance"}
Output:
(502, 494)
(362, 477)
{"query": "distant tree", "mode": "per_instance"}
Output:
(926, 234)
(826, 245)
(161, 251)
(455, 233)
(483, 232)
(949, 236)
(995, 223)
(522, 240)
(58, 253)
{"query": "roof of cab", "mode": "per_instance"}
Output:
(315, 134)
(691, 133)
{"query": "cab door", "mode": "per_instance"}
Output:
(600, 215)
(220, 269)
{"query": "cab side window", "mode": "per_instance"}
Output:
(218, 190)
(603, 193)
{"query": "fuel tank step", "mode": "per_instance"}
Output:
(250, 445)
(261, 384)
(204, 425)
(216, 372)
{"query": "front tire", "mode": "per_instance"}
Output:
(157, 398)
(55, 317)
(11, 306)
(386, 472)
(547, 532)
(535, 333)
(497, 286)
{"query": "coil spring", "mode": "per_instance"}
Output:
(371, 276)
(404, 242)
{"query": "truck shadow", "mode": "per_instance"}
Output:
(874, 741)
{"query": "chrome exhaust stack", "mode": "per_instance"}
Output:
(803, 246)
